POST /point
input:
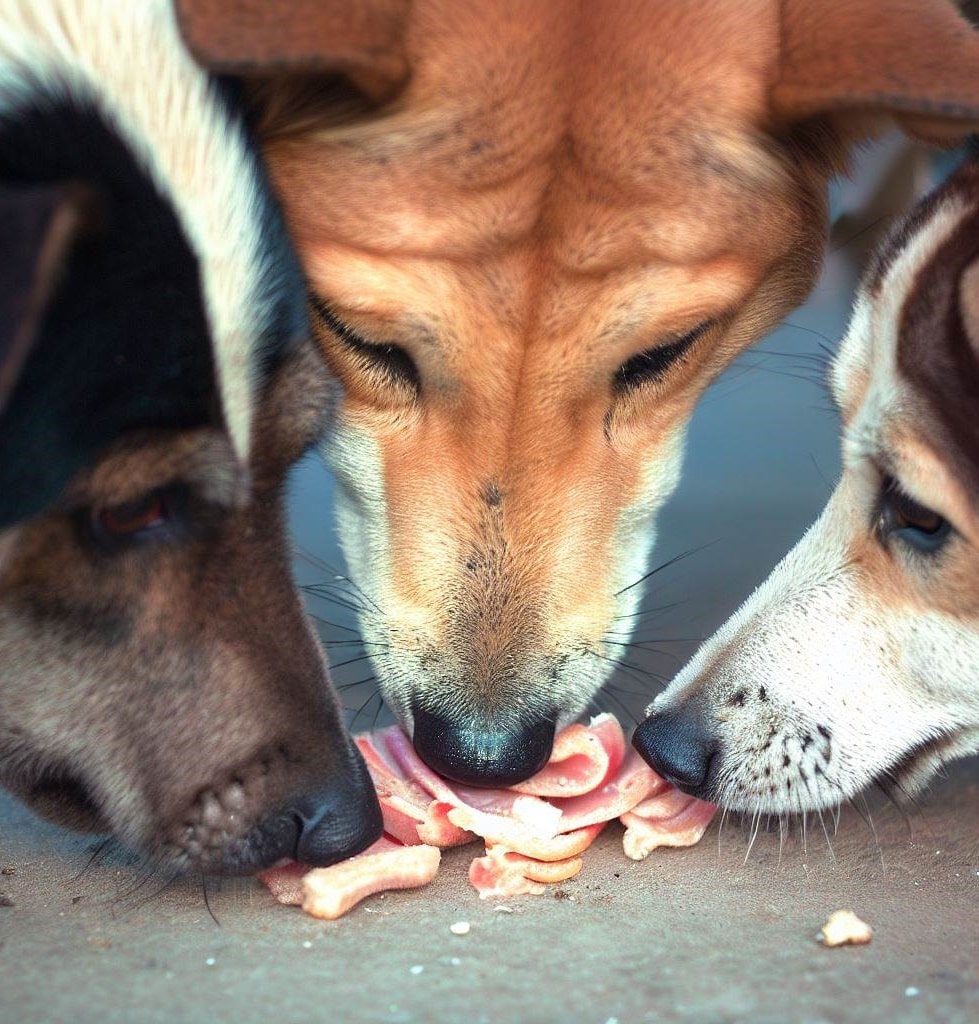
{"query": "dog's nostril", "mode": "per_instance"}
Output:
(338, 821)
(482, 756)
(679, 745)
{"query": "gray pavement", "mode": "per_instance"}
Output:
(700, 935)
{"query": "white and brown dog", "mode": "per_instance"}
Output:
(857, 661)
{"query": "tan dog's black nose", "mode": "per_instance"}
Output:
(680, 746)
(480, 755)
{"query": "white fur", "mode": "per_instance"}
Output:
(819, 685)
(126, 57)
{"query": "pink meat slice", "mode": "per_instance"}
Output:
(503, 873)
(410, 813)
(285, 882)
(670, 818)
(630, 785)
(584, 758)
(331, 892)
(535, 833)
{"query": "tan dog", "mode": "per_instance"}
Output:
(856, 662)
(158, 679)
(534, 233)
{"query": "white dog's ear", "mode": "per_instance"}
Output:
(359, 39)
(916, 60)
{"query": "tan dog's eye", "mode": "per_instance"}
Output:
(909, 521)
(651, 365)
(391, 360)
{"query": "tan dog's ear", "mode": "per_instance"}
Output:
(359, 39)
(917, 60)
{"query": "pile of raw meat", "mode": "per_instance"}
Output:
(535, 833)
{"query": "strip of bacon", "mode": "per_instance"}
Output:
(331, 892)
(671, 818)
(503, 873)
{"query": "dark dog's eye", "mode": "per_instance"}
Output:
(650, 366)
(151, 517)
(911, 522)
(144, 514)
(392, 360)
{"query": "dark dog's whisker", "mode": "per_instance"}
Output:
(100, 850)
(207, 901)
(625, 709)
(373, 696)
(157, 892)
(355, 643)
(342, 598)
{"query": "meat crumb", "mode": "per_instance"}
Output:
(844, 928)
(460, 928)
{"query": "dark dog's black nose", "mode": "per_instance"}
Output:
(482, 756)
(679, 745)
(338, 820)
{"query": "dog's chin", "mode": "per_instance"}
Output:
(65, 800)
(914, 769)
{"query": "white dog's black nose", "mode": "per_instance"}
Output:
(476, 754)
(679, 745)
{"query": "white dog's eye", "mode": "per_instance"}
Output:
(909, 521)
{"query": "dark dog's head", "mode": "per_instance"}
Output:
(158, 679)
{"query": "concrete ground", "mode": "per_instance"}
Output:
(694, 935)
(700, 935)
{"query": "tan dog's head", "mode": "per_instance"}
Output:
(856, 662)
(158, 679)
(534, 233)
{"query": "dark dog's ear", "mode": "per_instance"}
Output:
(360, 40)
(916, 60)
(37, 225)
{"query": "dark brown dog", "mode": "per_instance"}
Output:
(158, 679)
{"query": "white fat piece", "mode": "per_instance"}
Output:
(126, 57)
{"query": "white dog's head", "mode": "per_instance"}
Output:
(857, 661)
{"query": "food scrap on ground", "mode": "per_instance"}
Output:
(844, 928)
(535, 833)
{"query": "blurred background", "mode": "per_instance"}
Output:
(762, 458)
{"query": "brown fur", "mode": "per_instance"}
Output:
(550, 189)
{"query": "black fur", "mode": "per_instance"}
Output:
(124, 344)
